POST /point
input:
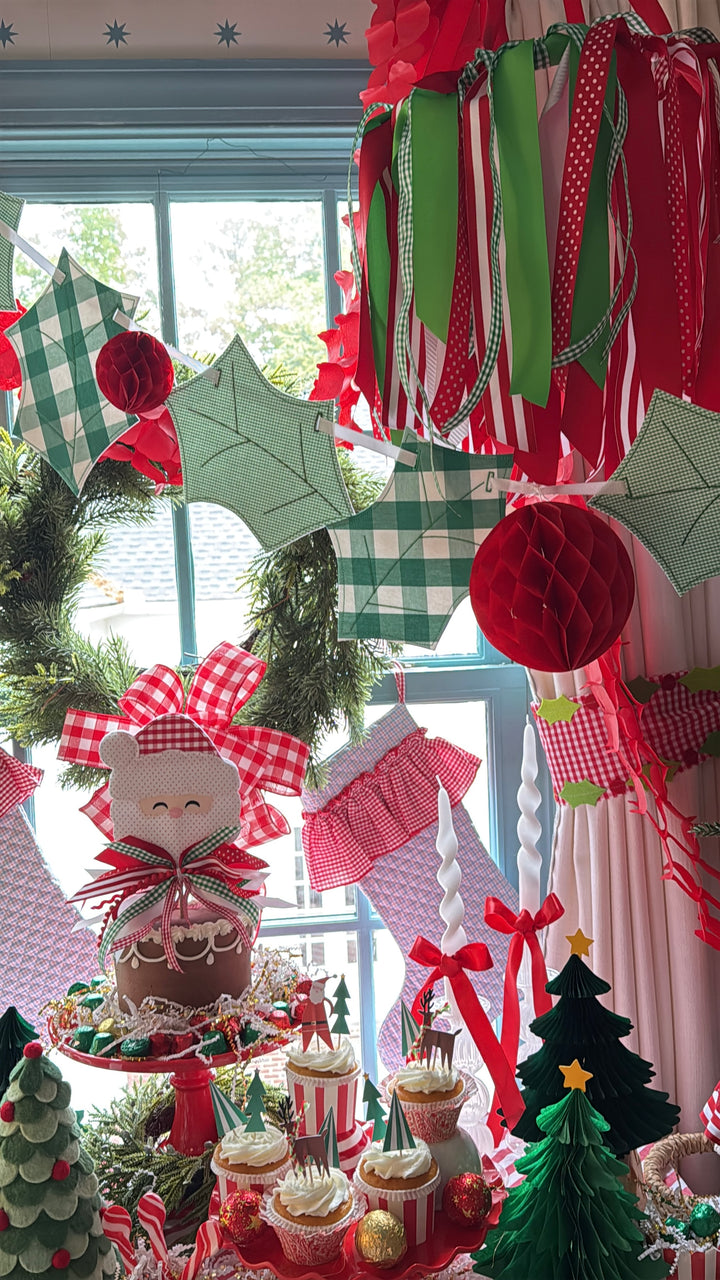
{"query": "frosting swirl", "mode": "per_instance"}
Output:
(340, 1061)
(316, 1196)
(398, 1164)
(416, 1077)
(240, 1147)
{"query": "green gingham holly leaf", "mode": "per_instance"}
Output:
(255, 450)
(10, 210)
(62, 413)
(672, 503)
(404, 563)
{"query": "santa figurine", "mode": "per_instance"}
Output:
(184, 905)
(313, 1018)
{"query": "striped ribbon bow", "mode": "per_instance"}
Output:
(215, 873)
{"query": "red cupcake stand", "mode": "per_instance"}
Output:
(447, 1243)
(194, 1123)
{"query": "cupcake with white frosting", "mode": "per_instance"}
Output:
(404, 1182)
(320, 1078)
(250, 1161)
(310, 1212)
(432, 1098)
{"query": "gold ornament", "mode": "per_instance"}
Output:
(380, 1238)
(109, 1025)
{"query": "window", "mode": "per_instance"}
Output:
(241, 229)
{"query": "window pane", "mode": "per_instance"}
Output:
(288, 875)
(115, 243)
(389, 975)
(222, 550)
(256, 268)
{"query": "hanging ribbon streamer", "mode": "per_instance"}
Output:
(475, 957)
(524, 928)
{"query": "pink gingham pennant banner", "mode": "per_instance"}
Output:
(17, 781)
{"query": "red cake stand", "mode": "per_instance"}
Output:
(448, 1242)
(194, 1122)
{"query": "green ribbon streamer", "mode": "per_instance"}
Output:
(591, 298)
(378, 273)
(434, 206)
(527, 269)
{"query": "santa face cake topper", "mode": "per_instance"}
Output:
(168, 784)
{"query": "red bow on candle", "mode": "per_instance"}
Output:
(475, 957)
(524, 929)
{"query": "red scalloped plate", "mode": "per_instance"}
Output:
(448, 1241)
(179, 1066)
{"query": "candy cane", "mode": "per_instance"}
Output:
(207, 1242)
(117, 1226)
(151, 1215)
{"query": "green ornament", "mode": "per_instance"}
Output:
(704, 1220)
(99, 981)
(282, 1005)
(213, 1043)
(682, 1228)
(76, 988)
(250, 1035)
(101, 1042)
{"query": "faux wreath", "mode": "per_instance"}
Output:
(50, 540)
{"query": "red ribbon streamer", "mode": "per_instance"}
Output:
(524, 929)
(475, 957)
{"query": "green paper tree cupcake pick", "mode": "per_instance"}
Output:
(255, 1105)
(329, 1133)
(341, 995)
(410, 1030)
(374, 1110)
(398, 1136)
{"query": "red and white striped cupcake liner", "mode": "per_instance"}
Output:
(228, 1181)
(414, 1206)
(313, 1096)
(311, 1246)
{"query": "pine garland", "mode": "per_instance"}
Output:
(124, 1142)
(49, 542)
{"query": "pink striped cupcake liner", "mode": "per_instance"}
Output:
(313, 1096)
(312, 1246)
(228, 1181)
(414, 1206)
(434, 1121)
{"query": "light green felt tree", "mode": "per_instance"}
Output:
(49, 1203)
(571, 1218)
(341, 995)
(255, 1105)
(374, 1109)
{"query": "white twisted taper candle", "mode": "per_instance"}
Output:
(529, 861)
(452, 908)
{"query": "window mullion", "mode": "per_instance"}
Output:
(366, 984)
(184, 568)
(331, 241)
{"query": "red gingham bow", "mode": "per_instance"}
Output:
(221, 685)
(475, 957)
(524, 929)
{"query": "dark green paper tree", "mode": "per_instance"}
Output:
(341, 995)
(571, 1218)
(49, 1200)
(580, 1027)
(15, 1033)
(255, 1105)
(374, 1109)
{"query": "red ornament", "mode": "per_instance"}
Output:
(4, 1220)
(161, 1044)
(240, 1218)
(60, 1171)
(552, 586)
(7, 1112)
(33, 1049)
(10, 375)
(467, 1199)
(60, 1259)
(135, 372)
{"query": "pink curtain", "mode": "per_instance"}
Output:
(606, 865)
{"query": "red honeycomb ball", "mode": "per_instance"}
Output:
(135, 372)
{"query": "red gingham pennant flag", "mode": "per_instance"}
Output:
(17, 781)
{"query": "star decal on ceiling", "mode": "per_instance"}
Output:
(226, 33)
(336, 33)
(7, 35)
(116, 33)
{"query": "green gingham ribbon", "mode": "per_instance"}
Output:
(198, 881)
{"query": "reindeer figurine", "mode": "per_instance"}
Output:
(308, 1150)
(432, 1042)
